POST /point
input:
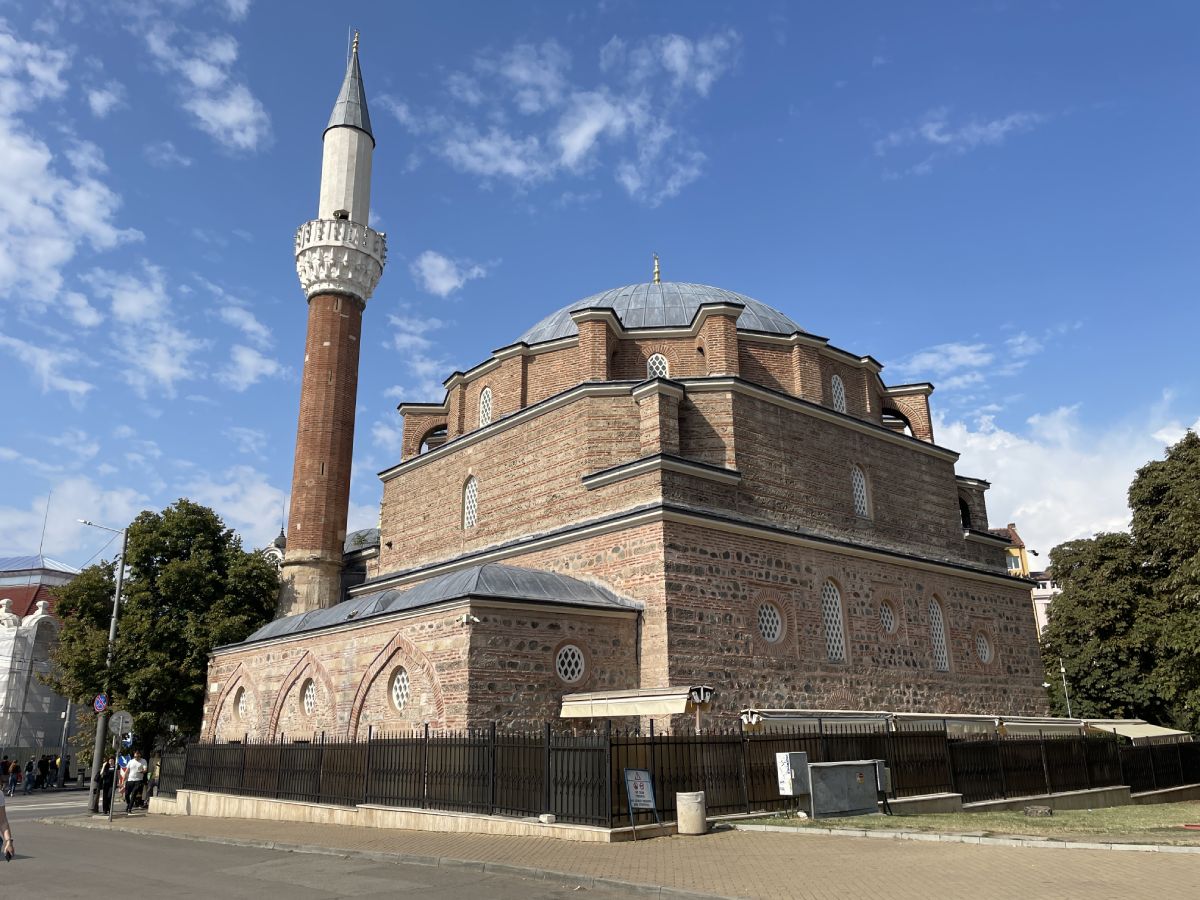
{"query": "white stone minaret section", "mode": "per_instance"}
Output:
(339, 259)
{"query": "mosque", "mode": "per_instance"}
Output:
(659, 495)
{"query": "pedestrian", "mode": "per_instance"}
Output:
(43, 772)
(52, 781)
(135, 781)
(6, 832)
(12, 777)
(108, 772)
(29, 776)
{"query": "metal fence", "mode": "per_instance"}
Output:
(579, 777)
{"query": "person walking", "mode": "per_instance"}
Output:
(108, 773)
(12, 777)
(135, 781)
(29, 776)
(6, 832)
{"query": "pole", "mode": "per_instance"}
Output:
(1062, 670)
(102, 718)
(62, 745)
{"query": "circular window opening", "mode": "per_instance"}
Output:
(887, 617)
(308, 697)
(401, 688)
(770, 623)
(569, 664)
(983, 648)
(242, 704)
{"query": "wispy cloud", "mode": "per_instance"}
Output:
(164, 155)
(247, 367)
(442, 276)
(542, 124)
(935, 137)
(48, 366)
(247, 323)
(104, 99)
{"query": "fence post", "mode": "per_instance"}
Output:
(367, 766)
(1045, 764)
(608, 773)
(744, 747)
(425, 770)
(1179, 762)
(1120, 760)
(1153, 771)
(547, 795)
(824, 739)
(1087, 763)
(492, 769)
(1000, 765)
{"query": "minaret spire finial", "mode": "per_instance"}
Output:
(657, 279)
(354, 47)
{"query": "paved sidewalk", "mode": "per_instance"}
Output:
(737, 863)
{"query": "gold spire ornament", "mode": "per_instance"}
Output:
(354, 49)
(657, 278)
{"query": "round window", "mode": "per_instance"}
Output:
(887, 617)
(401, 688)
(770, 622)
(308, 697)
(983, 648)
(569, 664)
(242, 703)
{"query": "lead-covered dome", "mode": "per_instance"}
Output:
(671, 304)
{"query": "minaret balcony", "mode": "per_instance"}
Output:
(337, 256)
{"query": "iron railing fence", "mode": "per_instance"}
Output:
(579, 776)
(170, 773)
(1159, 766)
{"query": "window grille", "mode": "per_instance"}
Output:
(656, 366)
(485, 407)
(984, 648)
(838, 391)
(887, 617)
(401, 688)
(831, 613)
(569, 663)
(470, 512)
(937, 634)
(243, 704)
(858, 483)
(309, 695)
(770, 623)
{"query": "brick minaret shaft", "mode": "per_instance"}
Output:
(339, 260)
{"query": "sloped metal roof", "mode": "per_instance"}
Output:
(350, 108)
(32, 562)
(491, 580)
(671, 304)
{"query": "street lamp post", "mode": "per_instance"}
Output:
(102, 718)
(1062, 670)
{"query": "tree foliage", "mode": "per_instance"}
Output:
(1127, 623)
(189, 587)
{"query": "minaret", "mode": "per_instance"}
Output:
(339, 259)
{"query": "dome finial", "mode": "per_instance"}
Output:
(354, 47)
(657, 278)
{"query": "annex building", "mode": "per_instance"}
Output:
(659, 485)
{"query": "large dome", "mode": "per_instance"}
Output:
(671, 304)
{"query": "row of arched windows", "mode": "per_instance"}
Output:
(771, 627)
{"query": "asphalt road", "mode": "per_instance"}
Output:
(55, 862)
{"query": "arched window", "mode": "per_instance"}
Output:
(858, 484)
(831, 615)
(308, 697)
(470, 505)
(656, 366)
(937, 635)
(401, 688)
(485, 407)
(964, 512)
(837, 391)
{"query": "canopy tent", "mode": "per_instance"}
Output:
(1138, 731)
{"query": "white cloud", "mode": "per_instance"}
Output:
(247, 367)
(389, 435)
(236, 9)
(246, 322)
(104, 99)
(590, 116)
(164, 155)
(46, 365)
(935, 131)
(244, 499)
(1060, 480)
(465, 88)
(81, 312)
(75, 497)
(77, 442)
(252, 441)
(223, 107)
(442, 276)
(944, 359)
(497, 153)
(536, 75)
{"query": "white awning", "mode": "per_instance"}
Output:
(1137, 730)
(644, 702)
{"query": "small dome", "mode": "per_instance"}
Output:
(671, 304)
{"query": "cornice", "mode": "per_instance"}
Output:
(660, 462)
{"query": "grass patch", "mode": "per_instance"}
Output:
(1158, 823)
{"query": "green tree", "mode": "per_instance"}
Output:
(189, 587)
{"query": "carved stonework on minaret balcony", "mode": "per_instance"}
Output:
(337, 256)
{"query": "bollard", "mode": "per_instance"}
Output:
(690, 813)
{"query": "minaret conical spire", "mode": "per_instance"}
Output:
(350, 108)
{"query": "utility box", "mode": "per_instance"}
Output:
(848, 788)
(792, 769)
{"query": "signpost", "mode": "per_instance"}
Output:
(639, 792)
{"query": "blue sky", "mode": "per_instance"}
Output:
(999, 198)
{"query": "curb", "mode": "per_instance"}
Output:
(569, 879)
(936, 837)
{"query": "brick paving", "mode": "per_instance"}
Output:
(746, 864)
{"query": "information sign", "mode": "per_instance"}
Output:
(639, 787)
(120, 723)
